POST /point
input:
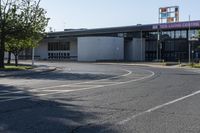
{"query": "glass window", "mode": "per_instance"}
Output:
(153, 35)
(178, 34)
(172, 34)
(168, 35)
(58, 46)
(184, 34)
(193, 33)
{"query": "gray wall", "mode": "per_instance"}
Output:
(100, 48)
(135, 50)
(73, 49)
(42, 50)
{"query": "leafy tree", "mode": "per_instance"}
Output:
(17, 45)
(199, 33)
(33, 21)
(21, 22)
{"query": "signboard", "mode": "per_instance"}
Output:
(179, 25)
(169, 14)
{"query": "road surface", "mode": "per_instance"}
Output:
(98, 98)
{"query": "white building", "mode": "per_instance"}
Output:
(130, 43)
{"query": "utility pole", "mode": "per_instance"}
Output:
(33, 55)
(158, 34)
(189, 52)
(0, 21)
(1, 44)
(158, 43)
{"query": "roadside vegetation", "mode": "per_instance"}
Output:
(195, 65)
(12, 67)
(22, 26)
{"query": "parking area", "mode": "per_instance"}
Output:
(90, 97)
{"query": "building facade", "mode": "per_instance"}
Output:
(169, 42)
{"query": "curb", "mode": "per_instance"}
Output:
(155, 66)
(27, 73)
(142, 65)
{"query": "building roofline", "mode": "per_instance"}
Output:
(139, 27)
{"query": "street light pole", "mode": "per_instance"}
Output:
(141, 46)
(158, 42)
(189, 52)
(33, 55)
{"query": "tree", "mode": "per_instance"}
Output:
(15, 46)
(33, 21)
(199, 33)
(22, 21)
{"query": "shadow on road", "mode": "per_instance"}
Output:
(36, 115)
(63, 76)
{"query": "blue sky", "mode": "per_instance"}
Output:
(111, 13)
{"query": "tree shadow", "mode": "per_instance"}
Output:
(39, 115)
(56, 75)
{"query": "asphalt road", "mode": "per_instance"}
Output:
(98, 98)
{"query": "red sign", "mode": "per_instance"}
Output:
(163, 9)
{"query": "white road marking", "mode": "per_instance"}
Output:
(25, 81)
(88, 88)
(157, 107)
(11, 92)
(67, 85)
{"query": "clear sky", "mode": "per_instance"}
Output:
(111, 13)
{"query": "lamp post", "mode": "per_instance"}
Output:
(158, 42)
(33, 56)
(189, 52)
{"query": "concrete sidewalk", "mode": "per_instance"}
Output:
(37, 69)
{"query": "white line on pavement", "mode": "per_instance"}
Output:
(157, 107)
(88, 88)
(67, 85)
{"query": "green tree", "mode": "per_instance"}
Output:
(199, 33)
(33, 21)
(17, 45)
(22, 22)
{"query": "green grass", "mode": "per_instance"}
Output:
(196, 65)
(16, 68)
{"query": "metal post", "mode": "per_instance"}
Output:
(158, 42)
(158, 34)
(33, 55)
(0, 22)
(189, 52)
